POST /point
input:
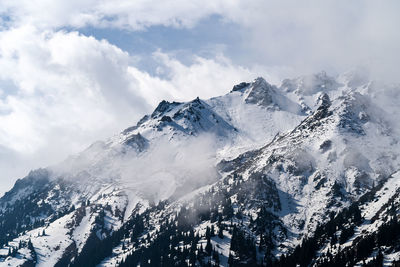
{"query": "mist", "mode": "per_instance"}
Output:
(172, 167)
(168, 168)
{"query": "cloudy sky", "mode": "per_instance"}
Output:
(76, 71)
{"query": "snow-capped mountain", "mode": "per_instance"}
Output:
(253, 177)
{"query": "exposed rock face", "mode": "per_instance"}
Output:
(261, 93)
(240, 86)
(137, 141)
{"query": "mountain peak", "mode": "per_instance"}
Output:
(324, 101)
(261, 93)
(355, 77)
(240, 86)
(163, 107)
(197, 115)
(311, 84)
(243, 86)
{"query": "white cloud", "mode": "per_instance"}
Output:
(333, 35)
(69, 90)
(101, 13)
(205, 78)
(64, 80)
(306, 36)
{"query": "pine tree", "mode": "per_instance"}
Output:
(192, 258)
(221, 232)
(212, 232)
(208, 247)
(334, 239)
(30, 245)
(230, 259)
(357, 215)
(227, 209)
(215, 256)
(208, 233)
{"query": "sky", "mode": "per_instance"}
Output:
(76, 71)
